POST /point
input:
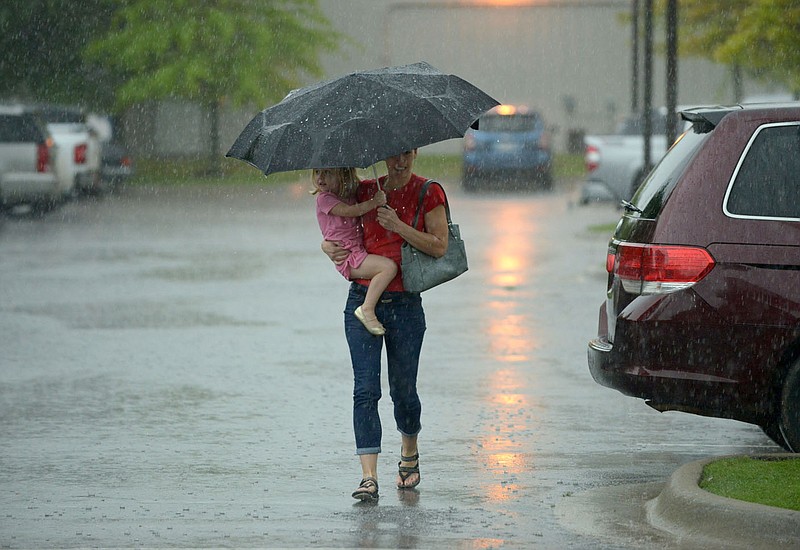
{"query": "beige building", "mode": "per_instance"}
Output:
(571, 59)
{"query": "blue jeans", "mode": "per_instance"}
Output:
(402, 315)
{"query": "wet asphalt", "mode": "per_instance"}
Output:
(174, 374)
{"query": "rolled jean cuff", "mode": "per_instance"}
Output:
(368, 451)
(409, 435)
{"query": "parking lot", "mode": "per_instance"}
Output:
(175, 375)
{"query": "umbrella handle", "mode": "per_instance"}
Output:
(377, 181)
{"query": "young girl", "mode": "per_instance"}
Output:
(338, 215)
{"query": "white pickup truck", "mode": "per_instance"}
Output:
(615, 163)
(27, 161)
(78, 162)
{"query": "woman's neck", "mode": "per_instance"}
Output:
(391, 184)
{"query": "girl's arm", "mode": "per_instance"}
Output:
(361, 208)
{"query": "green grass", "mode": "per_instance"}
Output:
(569, 166)
(773, 482)
(603, 228)
(188, 171)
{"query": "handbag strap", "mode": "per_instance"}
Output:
(422, 199)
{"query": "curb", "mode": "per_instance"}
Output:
(700, 518)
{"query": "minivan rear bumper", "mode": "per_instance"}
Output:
(672, 389)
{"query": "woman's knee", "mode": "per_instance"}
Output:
(366, 396)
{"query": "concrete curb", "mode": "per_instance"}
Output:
(700, 518)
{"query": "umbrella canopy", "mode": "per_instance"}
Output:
(360, 119)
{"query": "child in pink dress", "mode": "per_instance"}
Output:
(338, 216)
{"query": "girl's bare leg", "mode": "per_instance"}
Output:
(380, 270)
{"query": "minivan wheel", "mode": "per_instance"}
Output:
(790, 408)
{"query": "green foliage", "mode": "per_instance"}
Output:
(42, 43)
(767, 41)
(759, 36)
(237, 50)
(763, 481)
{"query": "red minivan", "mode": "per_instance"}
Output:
(702, 313)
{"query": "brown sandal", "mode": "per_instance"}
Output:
(365, 490)
(405, 471)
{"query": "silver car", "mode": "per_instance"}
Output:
(27, 160)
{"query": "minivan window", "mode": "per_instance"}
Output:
(654, 191)
(766, 183)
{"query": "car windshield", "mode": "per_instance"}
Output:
(655, 190)
(509, 123)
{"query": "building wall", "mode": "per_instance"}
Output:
(546, 54)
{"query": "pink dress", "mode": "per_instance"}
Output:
(346, 231)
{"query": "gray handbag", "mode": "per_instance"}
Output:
(422, 271)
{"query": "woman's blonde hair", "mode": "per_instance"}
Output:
(348, 177)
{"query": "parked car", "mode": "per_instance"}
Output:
(27, 161)
(79, 163)
(510, 148)
(116, 161)
(702, 312)
(615, 163)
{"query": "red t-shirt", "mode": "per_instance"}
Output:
(404, 201)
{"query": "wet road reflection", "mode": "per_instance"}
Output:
(511, 253)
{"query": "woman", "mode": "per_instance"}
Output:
(385, 230)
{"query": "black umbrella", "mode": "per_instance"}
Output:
(360, 119)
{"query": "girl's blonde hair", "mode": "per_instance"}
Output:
(348, 177)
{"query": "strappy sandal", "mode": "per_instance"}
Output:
(405, 471)
(365, 492)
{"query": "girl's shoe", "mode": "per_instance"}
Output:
(373, 325)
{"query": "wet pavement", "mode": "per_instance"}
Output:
(174, 374)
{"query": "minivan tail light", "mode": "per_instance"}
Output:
(591, 158)
(42, 157)
(80, 153)
(660, 269)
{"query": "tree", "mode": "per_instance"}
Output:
(42, 43)
(760, 36)
(213, 51)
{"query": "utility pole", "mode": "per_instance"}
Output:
(648, 83)
(635, 57)
(672, 71)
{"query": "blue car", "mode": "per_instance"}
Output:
(509, 150)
